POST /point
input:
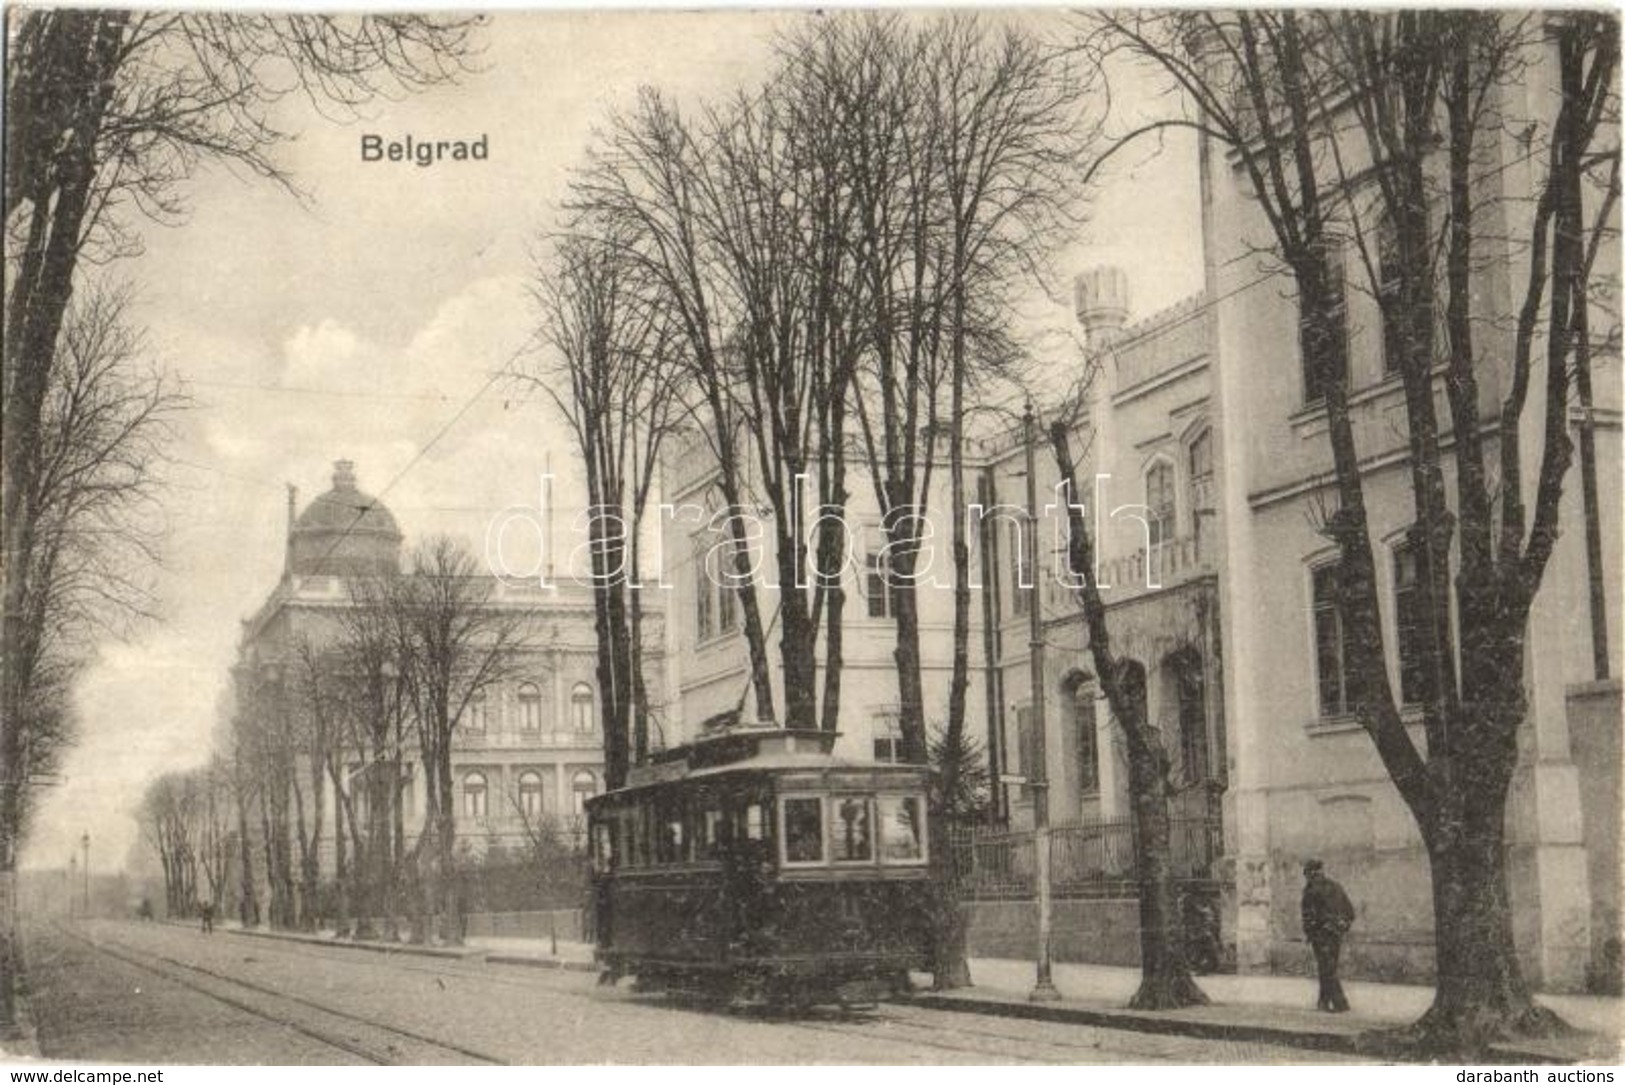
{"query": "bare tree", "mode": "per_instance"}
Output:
(457, 640)
(108, 112)
(608, 343)
(645, 186)
(170, 822)
(1375, 127)
(94, 502)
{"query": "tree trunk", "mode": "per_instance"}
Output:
(1165, 979)
(1480, 994)
(248, 905)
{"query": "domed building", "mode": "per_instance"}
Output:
(344, 532)
(527, 751)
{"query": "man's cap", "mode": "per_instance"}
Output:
(1312, 866)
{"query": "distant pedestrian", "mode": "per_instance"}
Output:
(206, 910)
(1327, 916)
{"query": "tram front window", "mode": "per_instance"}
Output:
(852, 837)
(901, 829)
(803, 830)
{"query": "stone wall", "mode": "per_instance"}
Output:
(1085, 931)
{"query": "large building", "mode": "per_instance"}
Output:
(1305, 778)
(529, 749)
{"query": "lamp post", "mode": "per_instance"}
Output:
(84, 842)
(73, 877)
(1038, 773)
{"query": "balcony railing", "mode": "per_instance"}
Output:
(1167, 563)
(1086, 859)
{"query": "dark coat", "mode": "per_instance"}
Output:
(1327, 910)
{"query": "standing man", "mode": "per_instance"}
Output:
(206, 912)
(1327, 916)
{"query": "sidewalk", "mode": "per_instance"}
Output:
(1269, 1009)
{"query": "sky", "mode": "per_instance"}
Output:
(367, 322)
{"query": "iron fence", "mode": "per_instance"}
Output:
(1086, 858)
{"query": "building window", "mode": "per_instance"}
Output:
(1193, 744)
(704, 601)
(1338, 693)
(1084, 723)
(1388, 275)
(1159, 502)
(727, 607)
(530, 707)
(1026, 744)
(1021, 580)
(474, 795)
(477, 713)
(888, 739)
(583, 786)
(1410, 627)
(581, 707)
(878, 586)
(530, 794)
(1201, 479)
(1316, 379)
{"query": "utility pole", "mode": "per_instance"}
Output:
(1038, 773)
(85, 841)
(73, 876)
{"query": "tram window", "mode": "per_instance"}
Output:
(901, 829)
(637, 837)
(669, 843)
(803, 830)
(755, 827)
(852, 840)
(708, 834)
(604, 845)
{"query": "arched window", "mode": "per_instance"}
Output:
(475, 715)
(474, 795)
(1201, 478)
(1159, 502)
(581, 706)
(1080, 690)
(583, 786)
(530, 794)
(530, 707)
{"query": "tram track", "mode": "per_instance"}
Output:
(385, 1052)
(899, 1023)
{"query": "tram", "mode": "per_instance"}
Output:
(754, 865)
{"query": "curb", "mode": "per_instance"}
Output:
(443, 952)
(1344, 1043)
(557, 964)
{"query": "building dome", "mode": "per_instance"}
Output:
(344, 532)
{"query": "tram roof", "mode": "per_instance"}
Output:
(751, 750)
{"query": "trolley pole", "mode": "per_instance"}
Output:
(1038, 773)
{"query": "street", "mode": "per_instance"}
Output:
(152, 993)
